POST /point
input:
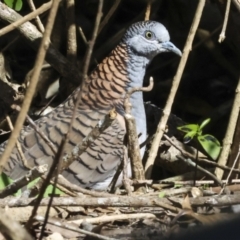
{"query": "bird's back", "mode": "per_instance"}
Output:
(102, 91)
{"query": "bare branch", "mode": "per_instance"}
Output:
(31, 89)
(175, 84)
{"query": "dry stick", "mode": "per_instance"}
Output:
(26, 18)
(71, 32)
(109, 14)
(167, 206)
(33, 174)
(46, 182)
(189, 155)
(111, 186)
(126, 180)
(11, 229)
(63, 188)
(222, 34)
(175, 84)
(33, 37)
(122, 201)
(199, 182)
(74, 229)
(36, 71)
(132, 136)
(83, 35)
(104, 218)
(19, 147)
(37, 19)
(237, 4)
(93, 40)
(194, 165)
(148, 10)
(9, 44)
(118, 201)
(230, 173)
(54, 168)
(32, 86)
(227, 141)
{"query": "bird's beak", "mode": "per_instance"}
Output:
(170, 47)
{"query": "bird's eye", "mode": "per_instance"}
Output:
(148, 35)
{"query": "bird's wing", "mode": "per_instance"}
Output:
(102, 155)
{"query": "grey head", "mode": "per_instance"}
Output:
(148, 39)
(144, 40)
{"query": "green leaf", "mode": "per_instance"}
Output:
(14, 4)
(48, 190)
(32, 183)
(189, 136)
(204, 123)
(5, 181)
(189, 128)
(211, 145)
(161, 195)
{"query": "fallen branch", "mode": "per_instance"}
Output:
(24, 180)
(122, 201)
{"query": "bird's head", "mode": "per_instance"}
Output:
(149, 38)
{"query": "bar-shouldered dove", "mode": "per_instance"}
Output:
(103, 90)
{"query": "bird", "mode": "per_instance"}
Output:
(104, 89)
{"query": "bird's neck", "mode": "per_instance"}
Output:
(136, 71)
(114, 76)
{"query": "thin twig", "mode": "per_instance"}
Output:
(233, 166)
(148, 10)
(111, 187)
(198, 183)
(175, 84)
(10, 44)
(189, 155)
(227, 141)
(26, 18)
(93, 40)
(45, 183)
(83, 35)
(104, 218)
(194, 165)
(33, 83)
(237, 4)
(71, 31)
(18, 145)
(126, 183)
(34, 37)
(37, 19)
(31, 175)
(109, 15)
(222, 35)
(74, 229)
